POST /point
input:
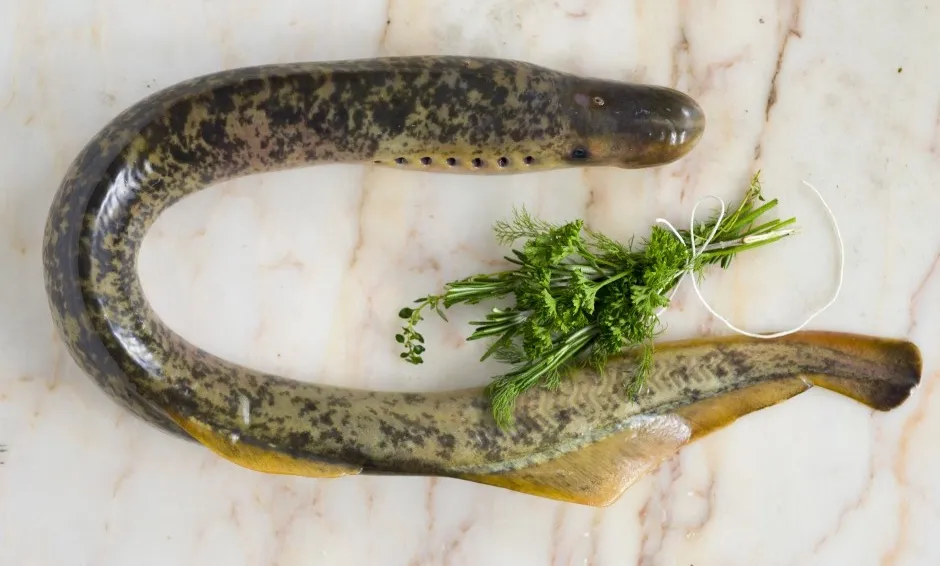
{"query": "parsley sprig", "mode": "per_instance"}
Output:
(581, 297)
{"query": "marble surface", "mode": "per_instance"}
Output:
(302, 273)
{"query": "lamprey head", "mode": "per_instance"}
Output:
(632, 126)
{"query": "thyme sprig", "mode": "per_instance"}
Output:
(581, 297)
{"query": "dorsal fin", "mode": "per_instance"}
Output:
(599, 473)
(708, 415)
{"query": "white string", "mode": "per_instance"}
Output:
(751, 239)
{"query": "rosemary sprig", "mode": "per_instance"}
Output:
(581, 297)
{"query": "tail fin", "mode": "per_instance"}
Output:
(878, 372)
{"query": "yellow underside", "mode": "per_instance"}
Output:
(260, 459)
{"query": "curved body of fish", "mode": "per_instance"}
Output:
(585, 443)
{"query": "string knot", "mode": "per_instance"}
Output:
(707, 245)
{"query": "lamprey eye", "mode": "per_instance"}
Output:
(579, 153)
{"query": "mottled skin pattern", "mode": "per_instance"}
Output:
(441, 114)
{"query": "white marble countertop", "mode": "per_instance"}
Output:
(302, 273)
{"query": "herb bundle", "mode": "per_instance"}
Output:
(581, 297)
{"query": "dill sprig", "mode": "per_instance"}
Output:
(581, 297)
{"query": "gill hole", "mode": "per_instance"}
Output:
(476, 162)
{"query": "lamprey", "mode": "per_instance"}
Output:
(583, 443)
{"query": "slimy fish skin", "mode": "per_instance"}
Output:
(585, 443)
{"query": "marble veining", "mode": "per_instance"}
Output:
(842, 94)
